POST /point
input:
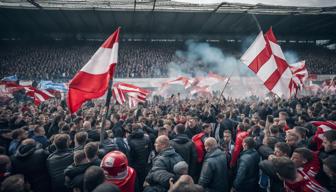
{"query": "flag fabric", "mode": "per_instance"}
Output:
(322, 126)
(200, 90)
(185, 81)
(93, 79)
(38, 95)
(266, 59)
(10, 78)
(300, 75)
(123, 91)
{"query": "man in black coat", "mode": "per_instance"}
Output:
(30, 160)
(140, 148)
(192, 127)
(164, 163)
(214, 175)
(185, 147)
(248, 168)
(58, 161)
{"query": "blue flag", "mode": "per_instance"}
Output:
(52, 85)
(10, 78)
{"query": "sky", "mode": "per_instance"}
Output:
(302, 3)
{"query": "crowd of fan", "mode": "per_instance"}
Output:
(61, 61)
(173, 145)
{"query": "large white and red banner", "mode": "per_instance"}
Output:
(266, 59)
(93, 79)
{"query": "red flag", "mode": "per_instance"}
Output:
(135, 94)
(38, 95)
(322, 126)
(92, 80)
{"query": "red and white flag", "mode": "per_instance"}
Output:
(185, 81)
(38, 95)
(135, 94)
(300, 75)
(92, 80)
(322, 126)
(266, 59)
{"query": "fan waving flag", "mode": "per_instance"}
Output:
(266, 59)
(93, 79)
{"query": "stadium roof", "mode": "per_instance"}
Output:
(145, 18)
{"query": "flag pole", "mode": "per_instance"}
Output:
(107, 111)
(227, 82)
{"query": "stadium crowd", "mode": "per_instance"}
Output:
(61, 61)
(194, 145)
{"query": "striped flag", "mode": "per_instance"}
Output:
(123, 91)
(38, 95)
(266, 59)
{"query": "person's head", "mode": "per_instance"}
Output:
(39, 131)
(93, 177)
(91, 150)
(275, 130)
(283, 116)
(227, 136)
(282, 149)
(270, 141)
(19, 134)
(61, 141)
(300, 131)
(14, 183)
(5, 163)
(210, 144)
(248, 143)
(81, 138)
(179, 129)
(329, 166)
(87, 125)
(206, 128)
(285, 168)
(79, 157)
(302, 156)
(291, 138)
(219, 118)
(163, 131)
(329, 140)
(106, 187)
(192, 122)
(115, 165)
(161, 143)
(181, 168)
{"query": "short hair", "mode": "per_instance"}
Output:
(14, 183)
(301, 130)
(161, 130)
(4, 161)
(180, 166)
(274, 129)
(17, 132)
(61, 141)
(271, 141)
(81, 137)
(106, 187)
(283, 113)
(250, 143)
(330, 162)
(285, 168)
(227, 131)
(220, 116)
(284, 148)
(262, 123)
(91, 150)
(206, 125)
(180, 128)
(93, 177)
(38, 129)
(305, 153)
(79, 156)
(330, 135)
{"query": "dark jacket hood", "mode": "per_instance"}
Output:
(214, 153)
(25, 150)
(168, 152)
(138, 133)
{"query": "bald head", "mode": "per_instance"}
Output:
(28, 142)
(161, 143)
(210, 144)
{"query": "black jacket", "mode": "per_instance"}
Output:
(186, 148)
(30, 160)
(247, 171)
(190, 132)
(75, 175)
(214, 175)
(276, 184)
(140, 148)
(57, 162)
(165, 160)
